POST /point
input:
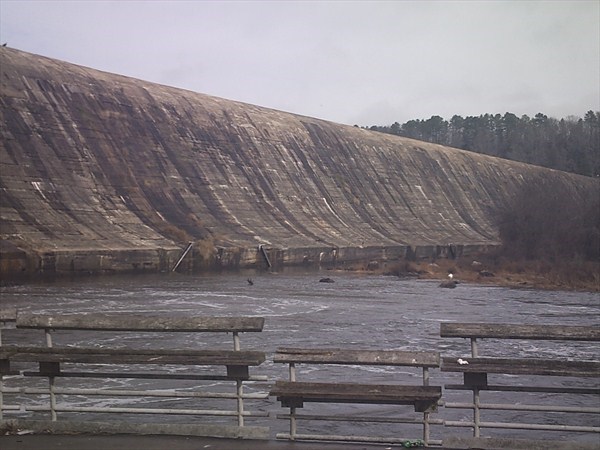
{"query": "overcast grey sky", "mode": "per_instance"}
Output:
(353, 62)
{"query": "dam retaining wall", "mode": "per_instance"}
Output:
(101, 173)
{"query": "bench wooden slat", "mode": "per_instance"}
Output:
(294, 393)
(515, 366)
(513, 331)
(131, 356)
(357, 357)
(8, 314)
(129, 322)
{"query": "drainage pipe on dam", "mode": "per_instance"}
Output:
(262, 250)
(185, 252)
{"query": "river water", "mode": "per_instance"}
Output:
(356, 311)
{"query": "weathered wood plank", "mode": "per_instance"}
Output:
(129, 322)
(514, 331)
(294, 393)
(8, 314)
(357, 357)
(131, 356)
(515, 366)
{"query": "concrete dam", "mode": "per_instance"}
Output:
(102, 173)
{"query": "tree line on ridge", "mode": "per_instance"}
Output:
(571, 144)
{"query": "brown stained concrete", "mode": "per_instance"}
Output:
(103, 173)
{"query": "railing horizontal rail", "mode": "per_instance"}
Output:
(507, 407)
(371, 419)
(532, 389)
(133, 393)
(523, 426)
(121, 410)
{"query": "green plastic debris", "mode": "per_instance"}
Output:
(412, 443)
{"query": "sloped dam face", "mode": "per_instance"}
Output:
(103, 173)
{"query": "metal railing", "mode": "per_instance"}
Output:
(51, 401)
(477, 406)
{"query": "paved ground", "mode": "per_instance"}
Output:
(131, 442)
(146, 442)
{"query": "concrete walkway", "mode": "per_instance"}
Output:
(132, 442)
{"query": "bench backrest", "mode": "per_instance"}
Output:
(120, 360)
(357, 357)
(138, 322)
(512, 331)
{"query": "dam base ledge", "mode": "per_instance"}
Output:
(18, 266)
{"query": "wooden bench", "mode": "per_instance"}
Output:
(125, 362)
(293, 394)
(477, 369)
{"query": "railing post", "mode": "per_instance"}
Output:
(293, 426)
(426, 414)
(236, 341)
(476, 412)
(1, 395)
(239, 384)
(476, 403)
(240, 402)
(52, 398)
(48, 333)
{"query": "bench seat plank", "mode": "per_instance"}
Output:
(511, 331)
(131, 356)
(515, 366)
(357, 357)
(138, 322)
(8, 314)
(295, 393)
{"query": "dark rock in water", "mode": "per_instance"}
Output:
(450, 284)
(250, 282)
(326, 280)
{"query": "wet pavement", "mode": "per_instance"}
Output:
(133, 442)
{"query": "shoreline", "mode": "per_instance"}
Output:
(516, 275)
